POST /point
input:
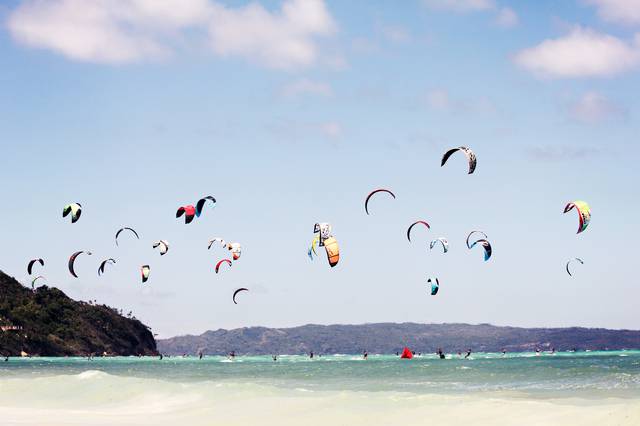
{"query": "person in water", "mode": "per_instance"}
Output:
(274, 357)
(6, 358)
(232, 354)
(468, 354)
(440, 353)
(160, 357)
(365, 355)
(311, 355)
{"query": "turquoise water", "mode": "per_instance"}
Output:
(588, 374)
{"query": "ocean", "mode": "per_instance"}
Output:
(584, 388)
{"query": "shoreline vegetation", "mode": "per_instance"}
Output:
(46, 322)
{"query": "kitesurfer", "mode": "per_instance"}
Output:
(274, 357)
(311, 355)
(232, 354)
(160, 357)
(440, 353)
(365, 355)
(468, 354)
(6, 358)
(200, 355)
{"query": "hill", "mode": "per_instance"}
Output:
(46, 322)
(390, 337)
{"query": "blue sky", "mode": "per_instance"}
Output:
(289, 113)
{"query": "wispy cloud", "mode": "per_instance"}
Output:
(304, 86)
(507, 18)
(581, 53)
(396, 33)
(460, 6)
(441, 100)
(560, 153)
(593, 108)
(619, 11)
(124, 31)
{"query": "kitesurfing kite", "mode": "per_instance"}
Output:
(32, 262)
(33, 282)
(326, 240)
(441, 240)
(435, 285)
(422, 222)
(202, 201)
(235, 249)
(126, 229)
(220, 240)
(75, 209)
(189, 213)
(103, 264)
(227, 261)
(312, 249)
(584, 213)
(366, 201)
(72, 260)
(164, 246)
(236, 292)
(145, 271)
(487, 248)
(471, 157)
(569, 263)
(473, 232)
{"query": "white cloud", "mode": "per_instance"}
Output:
(581, 53)
(331, 129)
(622, 11)
(460, 6)
(282, 40)
(441, 100)
(122, 31)
(593, 108)
(305, 86)
(507, 18)
(396, 34)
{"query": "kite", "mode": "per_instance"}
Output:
(584, 213)
(221, 262)
(75, 209)
(569, 263)
(145, 271)
(127, 229)
(414, 224)
(236, 292)
(164, 246)
(443, 241)
(202, 201)
(188, 212)
(471, 157)
(435, 285)
(32, 262)
(366, 201)
(72, 260)
(487, 248)
(103, 264)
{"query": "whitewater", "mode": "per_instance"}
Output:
(586, 388)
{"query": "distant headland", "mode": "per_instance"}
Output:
(46, 322)
(390, 338)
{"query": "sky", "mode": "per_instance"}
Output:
(290, 112)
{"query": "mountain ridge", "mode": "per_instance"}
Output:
(391, 337)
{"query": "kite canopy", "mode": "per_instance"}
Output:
(103, 264)
(145, 271)
(422, 222)
(72, 261)
(33, 282)
(406, 353)
(312, 249)
(236, 292)
(32, 262)
(189, 213)
(576, 259)
(473, 232)
(441, 240)
(227, 261)
(487, 248)
(435, 285)
(235, 249)
(372, 193)
(325, 239)
(471, 157)
(584, 213)
(164, 246)
(201, 202)
(220, 240)
(126, 229)
(75, 209)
